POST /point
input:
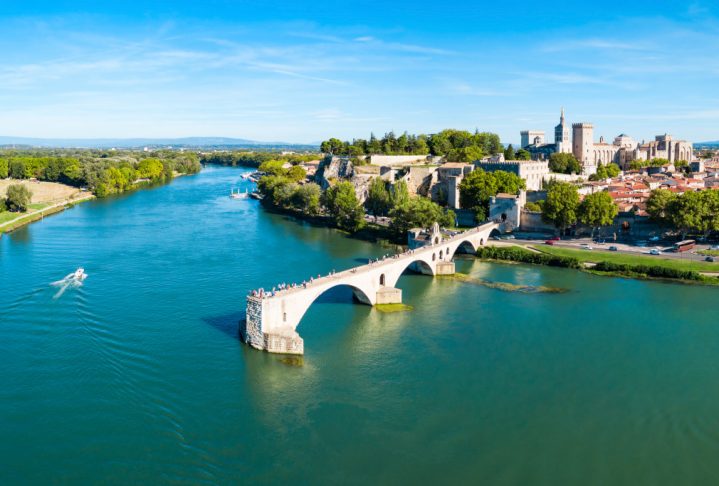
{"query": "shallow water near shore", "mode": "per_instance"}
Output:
(139, 376)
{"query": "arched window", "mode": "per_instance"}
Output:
(434, 256)
(381, 280)
(440, 254)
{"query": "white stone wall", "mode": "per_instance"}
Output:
(390, 160)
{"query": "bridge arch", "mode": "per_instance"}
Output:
(294, 318)
(465, 247)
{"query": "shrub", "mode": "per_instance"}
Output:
(516, 254)
(656, 271)
(18, 197)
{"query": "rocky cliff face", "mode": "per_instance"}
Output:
(333, 168)
(341, 168)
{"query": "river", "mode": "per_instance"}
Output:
(139, 375)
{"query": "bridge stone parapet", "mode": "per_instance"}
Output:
(272, 319)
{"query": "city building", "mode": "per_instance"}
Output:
(532, 171)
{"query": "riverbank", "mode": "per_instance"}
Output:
(605, 264)
(371, 232)
(47, 198)
(40, 213)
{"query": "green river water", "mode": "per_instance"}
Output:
(139, 376)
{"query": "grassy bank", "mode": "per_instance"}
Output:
(37, 212)
(596, 256)
(629, 266)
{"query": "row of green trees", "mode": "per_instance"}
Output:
(253, 159)
(455, 145)
(693, 211)
(521, 154)
(605, 172)
(562, 208)
(100, 172)
(285, 188)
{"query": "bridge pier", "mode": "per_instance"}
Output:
(389, 295)
(445, 268)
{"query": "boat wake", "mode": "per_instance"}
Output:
(71, 281)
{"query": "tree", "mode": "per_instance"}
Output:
(150, 169)
(659, 204)
(332, 146)
(273, 167)
(399, 194)
(343, 206)
(478, 186)
(613, 170)
(4, 167)
(306, 198)
(419, 212)
(378, 198)
(564, 163)
(509, 153)
(18, 197)
(523, 155)
(598, 209)
(696, 211)
(19, 169)
(560, 207)
(297, 173)
(374, 146)
(533, 206)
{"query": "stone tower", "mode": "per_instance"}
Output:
(561, 136)
(583, 141)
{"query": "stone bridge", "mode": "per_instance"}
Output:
(272, 319)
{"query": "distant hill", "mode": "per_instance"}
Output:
(707, 144)
(186, 142)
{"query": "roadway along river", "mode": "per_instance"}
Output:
(139, 373)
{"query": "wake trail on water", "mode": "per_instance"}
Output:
(71, 281)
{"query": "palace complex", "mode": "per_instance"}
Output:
(622, 151)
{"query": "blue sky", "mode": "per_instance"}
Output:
(305, 71)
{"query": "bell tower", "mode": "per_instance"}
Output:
(561, 136)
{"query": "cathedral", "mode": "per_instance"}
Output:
(622, 151)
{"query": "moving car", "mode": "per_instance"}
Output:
(709, 259)
(612, 248)
(654, 251)
(554, 238)
(549, 242)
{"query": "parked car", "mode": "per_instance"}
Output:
(554, 238)
(715, 247)
(709, 259)
(588, 247)
(654, 251)
(549, 242)
(612, 248)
